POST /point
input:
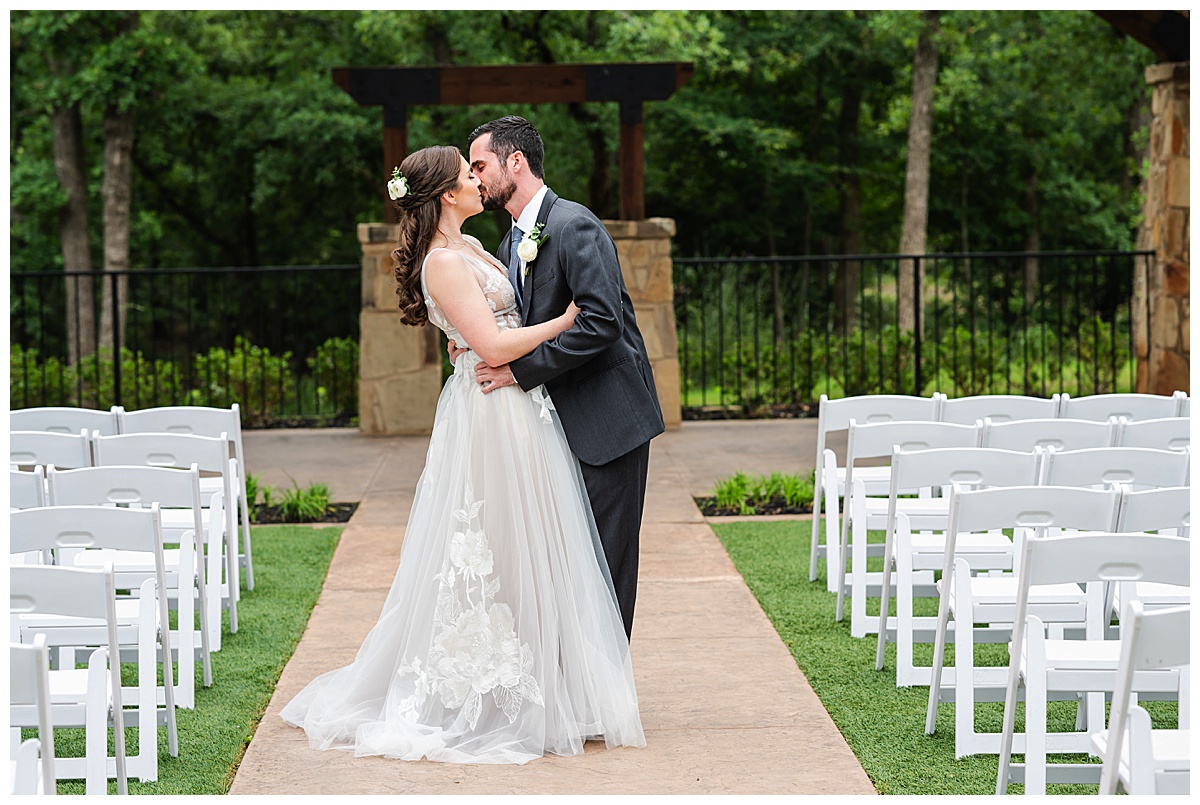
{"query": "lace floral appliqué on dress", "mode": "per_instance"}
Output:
(475, 650)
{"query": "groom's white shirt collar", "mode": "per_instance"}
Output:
(528, 217)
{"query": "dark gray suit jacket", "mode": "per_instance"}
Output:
(597, 373)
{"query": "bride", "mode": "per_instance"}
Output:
(500, 640)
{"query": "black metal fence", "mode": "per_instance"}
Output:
(756, 335)
(763, 335)
(280, 341)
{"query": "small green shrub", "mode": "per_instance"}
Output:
(335, 368)
(247, 374)
(305, 504)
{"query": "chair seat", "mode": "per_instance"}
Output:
(965, 543)
(68, 686)
(913, 507)
(993, 590)
(1083, 655)
(1171, 749)
(127, 615)
(1156, 594)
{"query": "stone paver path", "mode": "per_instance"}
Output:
(724, 708)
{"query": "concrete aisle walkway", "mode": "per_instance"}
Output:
(725, 709)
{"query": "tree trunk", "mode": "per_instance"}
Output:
(116, 192)
(916, 181)
(68, 166)
(849, 198)
(1033, 240)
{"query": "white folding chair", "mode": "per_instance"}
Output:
(829, 484)
(1131, 406)
(997, 407)
(1161, 510)
(1141, 759)
(66, 420)
(142, 621)
(1061, 434)
(865, 512)
(29, 704)
(917, 555)
(198, 420)
(1167, 433)
(1138, 467)
(139, 487)
(27, 490)
(27, 448)
(1074, 667)
(210, 455)
(988, 598)
(79, 698)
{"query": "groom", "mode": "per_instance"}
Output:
(597, 373)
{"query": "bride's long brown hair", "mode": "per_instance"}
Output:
(429, 173)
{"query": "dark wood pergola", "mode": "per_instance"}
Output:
(630, 85)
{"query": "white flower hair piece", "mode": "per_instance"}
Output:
(398, 186)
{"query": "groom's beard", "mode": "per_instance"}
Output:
(497, 197)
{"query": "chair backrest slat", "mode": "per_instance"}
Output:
(68, 450)
(65, 420)
(998, 408)
(1061, 434)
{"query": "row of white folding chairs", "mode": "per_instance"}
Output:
(1047, 666)
(137, 627)
(977, 594)
(181, 451)
(866, 511)
(835, 415)
(914, 529)
(1171, 433)
(991, 600)
(179, 419)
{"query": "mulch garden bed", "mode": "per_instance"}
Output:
(273, 515)
(708, 507)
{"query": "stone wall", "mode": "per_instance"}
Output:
(400, 373)
(644, 249)
(400, 369)
(1162, 297)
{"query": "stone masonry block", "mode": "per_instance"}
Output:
(388, 347)
(1179, 182)
(400, 405)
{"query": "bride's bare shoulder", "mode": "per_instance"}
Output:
(445, 260)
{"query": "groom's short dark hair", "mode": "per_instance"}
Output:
(511, 134)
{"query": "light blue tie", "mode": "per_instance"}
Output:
(514, 263)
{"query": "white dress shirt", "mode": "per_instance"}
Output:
(527, 220)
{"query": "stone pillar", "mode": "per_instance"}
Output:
(400, 367)
(644, 249)
(1162, 300)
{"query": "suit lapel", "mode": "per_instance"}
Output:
(542, 216)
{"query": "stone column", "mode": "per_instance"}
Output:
(400, 367)
(1162, 299)
(644, 249)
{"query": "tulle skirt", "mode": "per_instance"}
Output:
(500, 640)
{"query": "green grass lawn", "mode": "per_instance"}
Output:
(290, 563)
(884, 725)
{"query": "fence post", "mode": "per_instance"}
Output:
(916, 326)
(116, 330)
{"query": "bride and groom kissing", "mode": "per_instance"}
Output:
(505, 634)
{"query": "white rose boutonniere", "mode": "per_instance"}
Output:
(398, 186)
(527, 249)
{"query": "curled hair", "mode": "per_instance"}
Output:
(429, 172)
(511, 134)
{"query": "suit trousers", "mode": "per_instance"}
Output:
(617, 491)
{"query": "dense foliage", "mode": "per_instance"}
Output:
(246, 153)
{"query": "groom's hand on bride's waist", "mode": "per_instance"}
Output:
(491, 378)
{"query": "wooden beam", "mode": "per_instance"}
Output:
(632, 163)
(395, 149)
(630, 85)
(1167, 33)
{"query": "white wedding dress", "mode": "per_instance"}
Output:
(500, 640)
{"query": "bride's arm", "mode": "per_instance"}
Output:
(453, 286)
